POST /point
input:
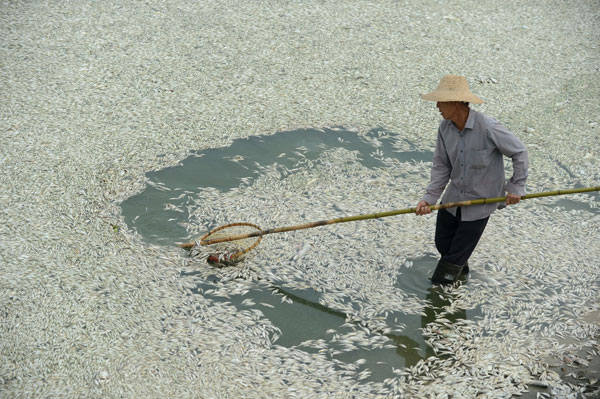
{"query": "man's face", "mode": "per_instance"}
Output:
(447, 108)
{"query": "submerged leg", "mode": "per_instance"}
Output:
(456, 240)
(446, 272)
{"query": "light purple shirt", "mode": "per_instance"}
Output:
(471, 160)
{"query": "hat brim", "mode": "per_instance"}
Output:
(445, 96)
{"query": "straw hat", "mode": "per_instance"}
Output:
(452, 88)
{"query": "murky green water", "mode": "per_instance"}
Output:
(303, 317)
(235, 166)
(159, 212)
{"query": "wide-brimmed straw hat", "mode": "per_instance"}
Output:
(452, 88)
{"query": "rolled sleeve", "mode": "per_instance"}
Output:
(512, 147)
(516, 184)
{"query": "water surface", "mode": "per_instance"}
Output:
(302, 317)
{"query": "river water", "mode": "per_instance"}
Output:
(167, 212)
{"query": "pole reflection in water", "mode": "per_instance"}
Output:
(302, 320)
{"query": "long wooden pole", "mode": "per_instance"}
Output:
(260, 233)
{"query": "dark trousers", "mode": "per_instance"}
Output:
(456, 239)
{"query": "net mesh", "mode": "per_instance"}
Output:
(229, 252)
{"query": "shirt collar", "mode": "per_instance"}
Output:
(470, 120)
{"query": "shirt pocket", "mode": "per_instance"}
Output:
(480, 159)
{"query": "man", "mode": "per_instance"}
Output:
(468, 154)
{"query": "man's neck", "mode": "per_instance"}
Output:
(460, 119)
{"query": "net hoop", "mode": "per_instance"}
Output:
(234, 256)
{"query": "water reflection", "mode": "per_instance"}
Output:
(438, 300)
(302, 320)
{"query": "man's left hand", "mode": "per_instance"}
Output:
(512, 199)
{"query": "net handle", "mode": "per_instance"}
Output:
(345, 219)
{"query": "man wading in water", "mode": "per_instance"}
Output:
(468, 153)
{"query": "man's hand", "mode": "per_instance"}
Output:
(423, 208)
(512, 199)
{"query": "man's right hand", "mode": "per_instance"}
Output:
(423, 208)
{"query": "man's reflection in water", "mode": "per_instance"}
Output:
(409, 348)
(409, 345)
(437, 300)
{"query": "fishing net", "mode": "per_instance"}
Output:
(224, 246)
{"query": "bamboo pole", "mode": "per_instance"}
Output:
(260, 233)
